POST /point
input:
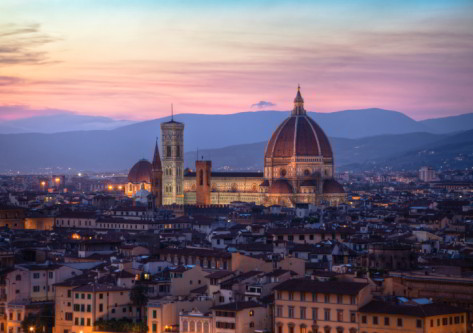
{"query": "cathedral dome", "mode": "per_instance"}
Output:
(280, 186)
(140, 172)
(332, 186)
(298, 135)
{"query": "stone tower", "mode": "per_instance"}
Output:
(203, 171)
(172, 141)
(157, 178)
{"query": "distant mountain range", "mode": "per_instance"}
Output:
(236, 141)
(400, 151)
(61, 121)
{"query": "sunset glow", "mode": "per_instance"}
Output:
(132, 59)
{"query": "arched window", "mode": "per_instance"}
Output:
(18, 277)
(206, 327)
(252, 324)
(185, 326)
(178, 151)
(192, 326)
(199, 327)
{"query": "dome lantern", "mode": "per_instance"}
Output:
(298, 104)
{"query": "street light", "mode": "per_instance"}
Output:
(31, 328)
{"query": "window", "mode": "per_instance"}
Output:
(18, 277)
(302, 296)
(340, 315)
(431, 323)
(89, 296)
(69, 293)
(339, 299)
(451, 320)
(89, 308)
(399, 322)
(314, 314)
(353, 300)
(251, 313)
(444, 321)
(252, 324)
(314, 297)
(168, 151)
(50, 275)
(363, 319)
(155, 327)
(438, 322)
(301, 237)
(18, 316)
(88, 321)
(375, 320)
(178, 151)
(68, 316)
(327, 314)
(303, 313)
(36, 289)
(154, 314)
(82, 308)
(291, 312)
(327, 298)
(100, 307)
(419, 323)
(76, 321)
(291, 295)
(35, 275)
(76, 307)
(279, 311)
(386, 321)
(278, 295)
(352, 316)
(100, 296)
(82, 323)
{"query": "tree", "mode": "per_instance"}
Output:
(41, 322)
(139, 297)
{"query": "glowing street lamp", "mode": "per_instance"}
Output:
(57, 180)
(110, 187)
(31, 328)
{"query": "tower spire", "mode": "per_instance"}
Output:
(298, 103)
(156, 158)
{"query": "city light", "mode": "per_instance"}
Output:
(110, 187)
(57, 180)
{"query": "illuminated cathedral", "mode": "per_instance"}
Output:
(298, 168)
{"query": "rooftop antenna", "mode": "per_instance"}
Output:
(172, 112)
(197, 155)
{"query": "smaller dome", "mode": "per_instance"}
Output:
(140, 172)
(265, 183)
(280, 186)
(332, 186)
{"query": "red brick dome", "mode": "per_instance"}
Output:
(280, 186)
(298, 135)
(140, 172)
(332, 186)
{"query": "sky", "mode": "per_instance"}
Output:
(132, 59)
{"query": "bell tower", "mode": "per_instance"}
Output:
(172, 140)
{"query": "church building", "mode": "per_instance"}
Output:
(298, 168)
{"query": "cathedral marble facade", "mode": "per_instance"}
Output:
(298, 168)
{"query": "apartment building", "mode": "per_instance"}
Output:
(303, 305)
(79, 305)
(240, 317)
(411, 317)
